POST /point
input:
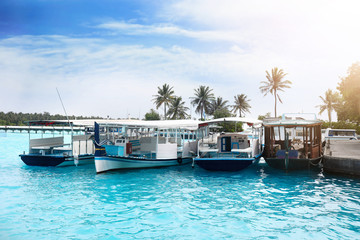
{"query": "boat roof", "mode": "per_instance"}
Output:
(160, 124)
(233, 119)
(292, 123)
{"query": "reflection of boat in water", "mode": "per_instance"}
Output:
(229, 151)
(53, 151)
(144, 144)
(292, 143)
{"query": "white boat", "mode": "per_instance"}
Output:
(229, 151)
(144, 144)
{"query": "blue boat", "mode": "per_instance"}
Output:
(143, 144)
(229, 151)
(53, 151)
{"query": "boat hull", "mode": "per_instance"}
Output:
(223, 164)
(293, 164)
(107, 163)
(230, 164)
(55, 160)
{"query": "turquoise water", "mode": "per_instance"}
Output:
(171, 203)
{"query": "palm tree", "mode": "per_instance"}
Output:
(177, 110)
(164, 96)
(241, 104)
(202, 100)
(217, 104)
(275, 83)
(330, 103)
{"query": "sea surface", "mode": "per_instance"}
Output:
(171, 203)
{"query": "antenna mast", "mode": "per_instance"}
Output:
(63, 107)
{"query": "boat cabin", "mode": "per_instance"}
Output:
(148, 139)
(295, 139)
(245, 144)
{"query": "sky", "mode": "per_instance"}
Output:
(107, 58)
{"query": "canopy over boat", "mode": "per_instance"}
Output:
(160, 124)
(293, 123)
(249, 121)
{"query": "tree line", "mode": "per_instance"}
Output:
(204, 101)
(206, 104)
(19, 119)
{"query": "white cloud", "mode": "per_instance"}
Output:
(99, 78)
(96, 77)
(121, 27)
(314, 41)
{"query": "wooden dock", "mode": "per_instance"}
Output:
(342, 156)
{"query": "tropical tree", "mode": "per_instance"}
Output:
(177, 109)
(152, 115)
(275, 83)
(241, 104)
(331, 102)
(217, 104)
(164, 97)
(349, 87)
(202, 100)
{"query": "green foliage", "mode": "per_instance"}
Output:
(230, 127)
(164, 97)
(152, 115)
(19, 119)
(222, 113)
(349, 88)
(275, 83)
(202, 100)
(331, 102)
(217, 104)
(177, 109)
(262, 117)
(341, 125)
(241, 104)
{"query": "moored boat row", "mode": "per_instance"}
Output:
(284, 144)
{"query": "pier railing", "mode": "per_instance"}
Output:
(42, 129)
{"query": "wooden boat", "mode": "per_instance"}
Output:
(144, 144)
(292, 144)
(229, 151)
(53, 151)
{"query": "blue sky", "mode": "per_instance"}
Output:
(108, 57)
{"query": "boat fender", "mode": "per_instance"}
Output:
(76, 160)
(179, 160)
